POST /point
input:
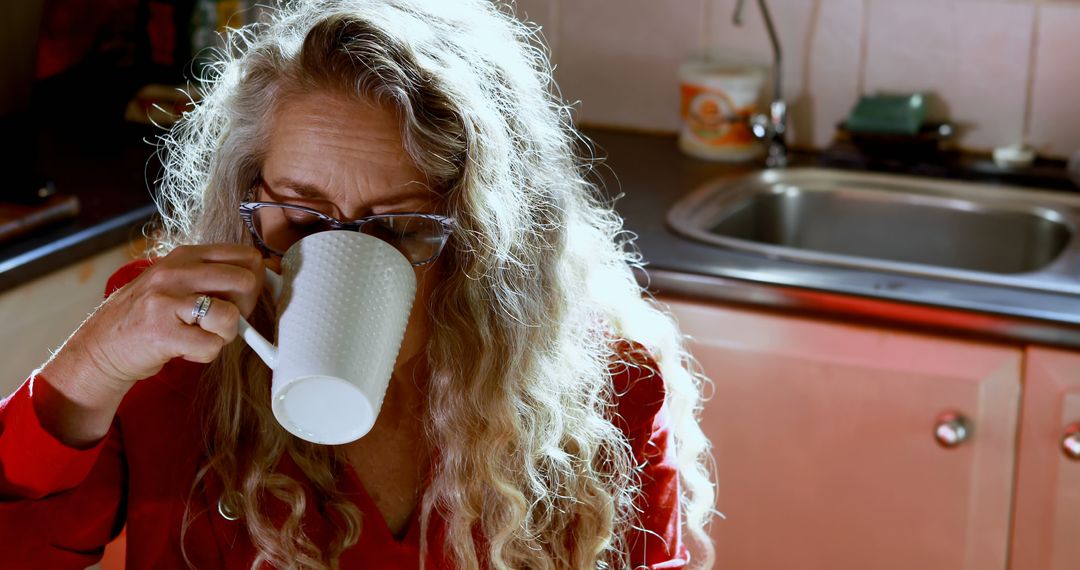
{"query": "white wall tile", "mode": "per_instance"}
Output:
(973, 54)
(750, 43)
(1055, 115)
(621, 58)
(832, 75)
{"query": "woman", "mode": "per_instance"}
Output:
(540, 414)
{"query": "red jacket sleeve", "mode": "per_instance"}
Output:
(33, 463)
(59, 505)
(656, 541)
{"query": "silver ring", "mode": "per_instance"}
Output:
(202, 306)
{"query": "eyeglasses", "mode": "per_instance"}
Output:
(276, 227)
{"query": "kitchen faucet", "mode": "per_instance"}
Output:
(771, 128)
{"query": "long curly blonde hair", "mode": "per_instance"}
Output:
(540, 278)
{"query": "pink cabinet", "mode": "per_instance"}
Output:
(38, 316)
(847, 446)
(1046, 533)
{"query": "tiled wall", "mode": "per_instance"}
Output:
(1003, 70)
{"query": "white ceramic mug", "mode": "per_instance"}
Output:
(343, 301)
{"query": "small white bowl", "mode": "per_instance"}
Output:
(1014, 157)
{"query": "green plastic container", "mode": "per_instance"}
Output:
(888, 114)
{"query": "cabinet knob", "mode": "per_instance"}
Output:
(952, 429)
(1070, 443)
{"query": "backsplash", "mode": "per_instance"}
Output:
(1004, 71)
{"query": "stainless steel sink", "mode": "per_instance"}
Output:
(898, 224)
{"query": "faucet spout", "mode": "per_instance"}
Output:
(772, 127)
(737, 19)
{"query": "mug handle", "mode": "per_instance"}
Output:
(264, 348)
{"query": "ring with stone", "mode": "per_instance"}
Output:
(202, 306)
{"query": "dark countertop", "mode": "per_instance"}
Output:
(111, 176)
(113, 181)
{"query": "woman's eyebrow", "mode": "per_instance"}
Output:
(301, 189)
(313, 192)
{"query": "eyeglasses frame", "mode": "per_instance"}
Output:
(248, 207)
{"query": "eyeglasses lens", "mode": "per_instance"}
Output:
(416, 237)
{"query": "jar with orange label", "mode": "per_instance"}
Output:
(718, 102)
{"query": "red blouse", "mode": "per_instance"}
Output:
(59, 506)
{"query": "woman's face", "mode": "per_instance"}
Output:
(346, 159)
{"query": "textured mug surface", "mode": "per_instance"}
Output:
(342, 313)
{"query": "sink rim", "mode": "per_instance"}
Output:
(1062, 217)
(690, 216)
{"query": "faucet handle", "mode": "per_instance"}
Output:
(772, 129)
(760, 125)
(771, 125)
(778, 117)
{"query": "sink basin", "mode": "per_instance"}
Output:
(898, 224)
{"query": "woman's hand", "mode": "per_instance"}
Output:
(140, 328)
(149, 321)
